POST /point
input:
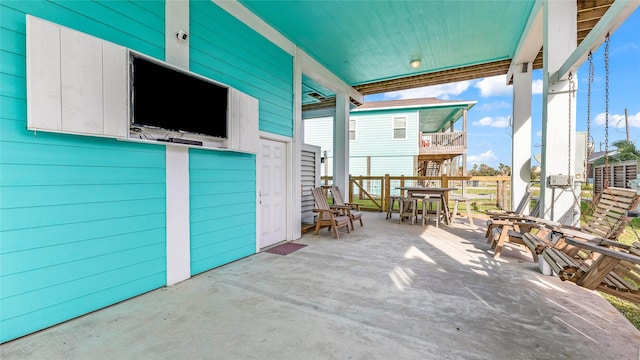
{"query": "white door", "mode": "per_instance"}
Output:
(272, 222)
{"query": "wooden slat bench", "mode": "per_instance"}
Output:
(607, 222)
(610, 272)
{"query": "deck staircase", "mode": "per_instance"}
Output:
(430, 168)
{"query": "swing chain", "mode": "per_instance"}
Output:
(572, 86)
(606, 112)
(590, 82)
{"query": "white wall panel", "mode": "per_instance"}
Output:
(115, 90)
(81, 75)
(43, 63)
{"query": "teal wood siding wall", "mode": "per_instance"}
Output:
(373, 139)
(223, 207)
(82, 219)
(375, 135)
(226, 50)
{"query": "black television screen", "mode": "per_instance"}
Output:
(170, 99)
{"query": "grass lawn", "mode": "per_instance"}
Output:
(629, 309)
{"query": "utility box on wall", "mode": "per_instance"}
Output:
(580, 172)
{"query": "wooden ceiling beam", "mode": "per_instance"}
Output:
(440, 77)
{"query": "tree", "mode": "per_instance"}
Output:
(626, 151)
(504, 170)
(483, 170)
(535, 173)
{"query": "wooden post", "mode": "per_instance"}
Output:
(498, 193)
(386, 186)
(350, 189)
(444, 182)
(402, 184)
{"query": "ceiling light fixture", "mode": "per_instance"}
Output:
(415, 63)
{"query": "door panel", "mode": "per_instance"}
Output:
(272, 193)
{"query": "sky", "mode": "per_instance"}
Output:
(489, 121)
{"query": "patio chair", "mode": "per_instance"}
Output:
(607, 222)
(350, 209)
(333, 218)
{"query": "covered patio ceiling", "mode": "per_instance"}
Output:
(370, 45)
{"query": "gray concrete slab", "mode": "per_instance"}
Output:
(385, 291)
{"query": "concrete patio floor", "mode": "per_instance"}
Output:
(385, 291)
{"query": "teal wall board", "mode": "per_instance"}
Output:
(222, 207)
(82, 219)
(226, 50)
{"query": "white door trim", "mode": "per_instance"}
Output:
(288, 145)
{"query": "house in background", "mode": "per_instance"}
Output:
(400, 137)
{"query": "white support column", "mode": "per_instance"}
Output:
(177, 158)
(558, 128)
(464, 156)
(521, 138)
(294, 209)
(341, 143)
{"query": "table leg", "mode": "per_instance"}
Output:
(445, 208)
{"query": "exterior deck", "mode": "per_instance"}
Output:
(443, 143)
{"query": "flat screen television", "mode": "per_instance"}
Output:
(166, 98)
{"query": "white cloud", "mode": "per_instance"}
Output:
(482, 158)
(440, 91)
(495, 105)
(494, 86)
(617, 120)
(498, 122)
(536, 87)
(539, 133)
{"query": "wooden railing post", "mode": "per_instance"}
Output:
(386, 185)
(401, 184)
(444, 182)
(350, 189)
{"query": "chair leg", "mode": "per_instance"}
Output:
(455, 211)
(317, 227)
(500, 243)
(468, 207)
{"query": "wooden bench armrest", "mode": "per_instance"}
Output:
(501, 222)
(604, 251)
(353, 206)
(575, 233)
(341, 207)
(331, 211)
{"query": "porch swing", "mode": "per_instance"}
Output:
(608, 209)
(602, 222)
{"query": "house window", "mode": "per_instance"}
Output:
(399, 127)
(352, 129)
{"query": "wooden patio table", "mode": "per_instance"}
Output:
(442, 192)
